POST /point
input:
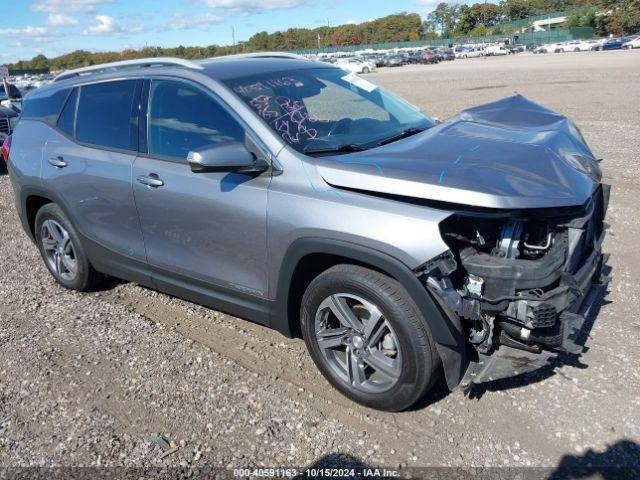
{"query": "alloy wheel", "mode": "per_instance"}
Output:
(58, 250)
(358, 343)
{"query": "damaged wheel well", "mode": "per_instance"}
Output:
(32, 205)
(308, 268)
(307, 257)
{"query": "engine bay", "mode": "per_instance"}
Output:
(514, 277)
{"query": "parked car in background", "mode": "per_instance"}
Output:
(468, 52)
(460, 51)
(377, 60)
(8, 120)
(4, 153)
(406, 57)
(611, 44)
(571, 46)
(550, 48)
(496, 50)
(14, 100)
(631, 42)
(355, 65)
(535, 48)
(587, 45)
(429, 57)
(413, 57)
(394, 61)
(447, 54)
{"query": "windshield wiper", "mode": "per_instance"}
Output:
(346, 148)
(403, 134)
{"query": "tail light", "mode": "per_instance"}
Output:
(6, 146)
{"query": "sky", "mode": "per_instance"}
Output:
(55, 27)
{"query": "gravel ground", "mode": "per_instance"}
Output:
(92, 379)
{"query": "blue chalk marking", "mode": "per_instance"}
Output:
(473, 149)
(314, 188)
(457, 160)
(441, 176)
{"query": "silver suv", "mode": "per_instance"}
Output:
(310, 200)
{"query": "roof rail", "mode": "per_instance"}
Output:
(138, 62)
(292, 56)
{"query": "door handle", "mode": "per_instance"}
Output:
(57, 162)
(150, 180)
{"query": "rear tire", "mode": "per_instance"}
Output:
(377, 349)
(365, 70)
(62, 251)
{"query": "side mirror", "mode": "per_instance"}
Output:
(227, 157)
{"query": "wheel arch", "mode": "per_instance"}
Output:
(307, 257)
(33, 203)
(32, 199)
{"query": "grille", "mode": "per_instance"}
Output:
(550, 336)
(4, 125)
(544, 315)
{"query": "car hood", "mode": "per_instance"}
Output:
(513, 153)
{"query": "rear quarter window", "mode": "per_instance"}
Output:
(67, 120)
(45, 105)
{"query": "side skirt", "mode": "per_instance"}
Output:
(234, 303)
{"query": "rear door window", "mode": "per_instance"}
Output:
(105, 115)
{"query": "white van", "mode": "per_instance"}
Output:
(496, 50)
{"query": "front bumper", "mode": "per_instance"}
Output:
(522, 314)
(574, 302)
(509, 362)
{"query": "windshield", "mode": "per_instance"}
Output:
(326, 109)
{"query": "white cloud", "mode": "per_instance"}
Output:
(60, 19)
(104, 25)
(24, 32)
(181, 21)
(246, 7)
(351, 21)
(55, 6)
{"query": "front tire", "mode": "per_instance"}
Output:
(368, 338)
(62, 251)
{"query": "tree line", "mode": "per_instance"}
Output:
(447, 20)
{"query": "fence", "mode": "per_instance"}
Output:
(551, 36)
(33, 71)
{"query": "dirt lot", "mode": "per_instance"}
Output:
(91, 379)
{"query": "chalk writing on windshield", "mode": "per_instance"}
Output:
(289, 117)
(252, 88)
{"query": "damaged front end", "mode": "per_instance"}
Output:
(522, 282)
